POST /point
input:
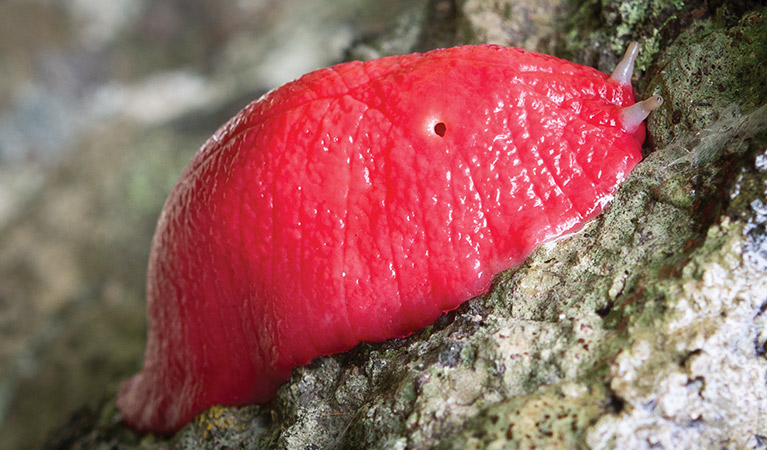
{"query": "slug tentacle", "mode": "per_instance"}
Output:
(634, 115)
(625, 68)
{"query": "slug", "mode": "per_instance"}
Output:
(360, 202)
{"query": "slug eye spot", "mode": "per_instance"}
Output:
(440, 128)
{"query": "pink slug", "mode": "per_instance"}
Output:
(360, 202)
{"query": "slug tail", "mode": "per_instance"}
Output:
(130, 403)
(143, 409)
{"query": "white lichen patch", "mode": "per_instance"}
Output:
(702, 384)
(448, 395)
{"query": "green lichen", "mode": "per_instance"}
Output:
(552, 417)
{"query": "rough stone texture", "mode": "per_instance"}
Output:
(644, 330)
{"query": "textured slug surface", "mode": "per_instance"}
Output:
(358, 203)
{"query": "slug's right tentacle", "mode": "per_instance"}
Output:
(634, 115)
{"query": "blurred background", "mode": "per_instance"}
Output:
(102, 103)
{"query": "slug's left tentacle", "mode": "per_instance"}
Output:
(625, 68)
(634, 115)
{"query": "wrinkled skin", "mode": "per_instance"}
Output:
(357, 204)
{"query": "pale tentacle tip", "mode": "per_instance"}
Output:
(634, 115)
(625, 68)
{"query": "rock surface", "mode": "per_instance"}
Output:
(645, 330)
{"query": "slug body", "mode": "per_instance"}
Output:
(360, 202)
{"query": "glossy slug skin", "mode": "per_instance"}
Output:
(360, 202)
